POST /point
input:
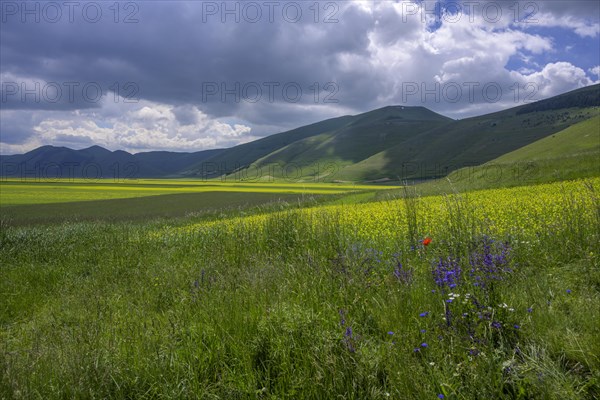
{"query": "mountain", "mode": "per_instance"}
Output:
(362, 137)
(572, 153)
(398, 143)
(390, 143)
(578, 140)
(476, 140)
(242, 156)
(50, 162)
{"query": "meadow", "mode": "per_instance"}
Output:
(38, 191)
(490, 294)
(37, 201)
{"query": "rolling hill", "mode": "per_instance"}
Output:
(572, 153)
(399, 143)
(51, 162)
(391, 143)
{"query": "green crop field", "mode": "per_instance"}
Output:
(27, 202)
(16, 192)
(306, 296)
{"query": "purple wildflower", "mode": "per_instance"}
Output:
(447, 273)
(490, 262)
(342, 317)
(403, 275)
(348, 332)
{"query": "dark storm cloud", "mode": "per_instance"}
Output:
(270, 72)
(182, 52)
(15, 129)
(181, 59)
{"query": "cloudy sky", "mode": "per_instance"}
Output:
(188, 76)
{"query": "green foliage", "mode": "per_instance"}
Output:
(301, 306)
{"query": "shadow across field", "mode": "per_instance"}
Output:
(137, 208)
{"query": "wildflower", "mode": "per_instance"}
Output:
(496, 325)
(426, 241)
(568, 291)
(423, 330)
(424, 314)
(447, 273)
(530, 310)
(390, 333)
(403, 275)
(490, 263)
(349, 339)
(441, 396)
(424, 345)
(517, 326)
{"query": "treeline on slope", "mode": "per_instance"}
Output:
(582, 98)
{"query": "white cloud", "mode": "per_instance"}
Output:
(375, 49)
(139, 127)
(556, 78)
(582, 27)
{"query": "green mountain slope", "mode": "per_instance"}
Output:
(580, 139)
(572, 153)
(367, 134)
(474, 141)
(242, 156)
(397, 143)
(391, 143)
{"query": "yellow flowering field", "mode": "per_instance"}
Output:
(523, 212)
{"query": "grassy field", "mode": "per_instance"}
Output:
(21, 191)
(32, 202)
(330, 300)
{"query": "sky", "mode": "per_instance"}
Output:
(197, 75)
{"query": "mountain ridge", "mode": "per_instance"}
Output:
(390, 143)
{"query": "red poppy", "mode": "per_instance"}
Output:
(426, 241)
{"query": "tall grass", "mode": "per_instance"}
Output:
(302, 305)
